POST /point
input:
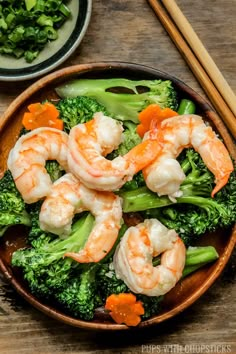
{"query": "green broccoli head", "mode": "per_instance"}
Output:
(123, 105)
(80, 297)
(12, 206)
(108, 282)
(227, 196)
(44, 266)
(36, 236)
(161, 93)
(152, 305)
(130, 139)
(78, 110)
(44, 276)
(54, 170)
(10, 201)
(136, 182)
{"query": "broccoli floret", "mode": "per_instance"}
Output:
(129, 140)
(44, 267)
(78, 110)
(23, 131)
(80, 297)
(54, 170)
(123, 106)
(36, 236)
(195, 212)
(12, 206)
(43, 279)
(82, 294)
(151, 304)
(108, 283)
(136, 182)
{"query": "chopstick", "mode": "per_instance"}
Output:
(223, 107)
(201, 53)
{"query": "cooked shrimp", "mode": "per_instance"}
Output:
(89, 143)
(27, 159)
(69, 196)
(164, 175)
(133, 258)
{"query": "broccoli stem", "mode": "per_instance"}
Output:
(196, 257)
(73, 243)
(143, 199)
(127, 102)
(186, 107)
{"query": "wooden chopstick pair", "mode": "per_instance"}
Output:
(199, 60)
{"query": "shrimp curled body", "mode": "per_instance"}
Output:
(27, 159)
(90, 142)
(69, 196)
(133, 258)
(165, 175)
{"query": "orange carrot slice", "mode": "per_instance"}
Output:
(153, 115)
(42, 115)
(125, 309)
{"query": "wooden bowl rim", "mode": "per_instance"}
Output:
(84, 68)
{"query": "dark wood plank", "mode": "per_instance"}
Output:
(129, 31)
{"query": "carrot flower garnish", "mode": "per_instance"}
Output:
(153, 114)
(125, 309)
(42, 115)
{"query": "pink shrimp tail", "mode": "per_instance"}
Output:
(220, 184)
(76, 257)
(82, 257)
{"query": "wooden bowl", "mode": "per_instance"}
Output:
(188, 290)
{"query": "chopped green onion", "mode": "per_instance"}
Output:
(30, 4)
(44, 20)
(10, 19)
(40, 5)
(30, 34)
(42, 37)
(26, 26)
(30, 55)
(17, 34)
(3, 24)
(18, 52)
(64, 10)
(51, 33)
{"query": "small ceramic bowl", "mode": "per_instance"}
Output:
(56, 52)
(187, 291)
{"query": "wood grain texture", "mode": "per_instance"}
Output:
(129, 31)
(201, 54)
(198, 59)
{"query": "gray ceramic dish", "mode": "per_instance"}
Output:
(55, 52)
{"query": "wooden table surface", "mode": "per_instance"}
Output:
(128, 31)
